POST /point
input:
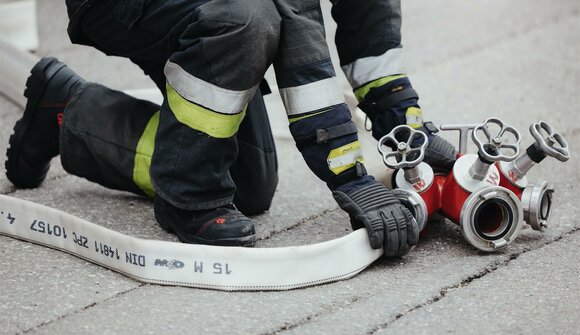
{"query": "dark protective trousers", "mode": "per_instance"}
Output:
(190, 169)
(107, 137)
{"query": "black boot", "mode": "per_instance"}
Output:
(223, 226)
(35, 140)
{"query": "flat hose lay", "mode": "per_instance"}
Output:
(178, 264)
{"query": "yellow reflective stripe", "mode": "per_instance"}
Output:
(362, 91)
(414, 117)
(143, 155)
(345, 157)
(194, 116)
(307, 116)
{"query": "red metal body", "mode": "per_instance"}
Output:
(452, 198)
(506, 181)
(446, 196)
(432, 197)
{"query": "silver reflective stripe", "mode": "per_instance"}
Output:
(206, 94)
(310, 97)
(367, 69)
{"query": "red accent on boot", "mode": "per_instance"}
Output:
(59, 117)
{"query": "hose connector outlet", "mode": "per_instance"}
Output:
(415, 204)
(537, 205)
(491, 218)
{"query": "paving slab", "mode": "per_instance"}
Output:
(40, 285)
(439, 32)
(537, 293)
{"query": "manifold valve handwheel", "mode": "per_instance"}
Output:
(549, 141)
(496, 144)
(407, 153)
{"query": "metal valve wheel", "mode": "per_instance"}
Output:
(494, 147)
(408, 154)
(552, 143)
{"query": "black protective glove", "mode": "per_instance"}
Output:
(389, 224)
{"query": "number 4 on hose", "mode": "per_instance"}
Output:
(10, 218)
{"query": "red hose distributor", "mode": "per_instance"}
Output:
(490, 215)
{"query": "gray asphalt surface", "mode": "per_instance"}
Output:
(469, 60)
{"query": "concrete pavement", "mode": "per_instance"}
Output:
(516, 59)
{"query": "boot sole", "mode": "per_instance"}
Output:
(35, 88)
(246, 241)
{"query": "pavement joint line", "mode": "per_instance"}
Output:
(309, 318)
(508, 37)
(298, 223)
(87, 307)
(467, 281)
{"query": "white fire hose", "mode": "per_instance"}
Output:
(178, 264)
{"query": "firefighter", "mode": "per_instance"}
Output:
(206, 154)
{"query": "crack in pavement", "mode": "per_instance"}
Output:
(467, 281)
(329, 309)
(87, 307)
(309, 318)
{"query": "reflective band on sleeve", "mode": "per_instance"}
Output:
(196, 117)
(362, 92)
(206, 94)
(302, 117)
(143, 156)
(345, 157)
(181, 264)
(365, 70)
(310, 97)
(414, 117)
